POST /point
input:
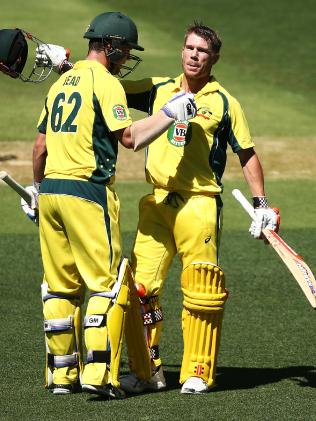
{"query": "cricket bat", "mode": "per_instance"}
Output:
(294, 262)
(20, 190)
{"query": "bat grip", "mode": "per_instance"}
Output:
(244, 203)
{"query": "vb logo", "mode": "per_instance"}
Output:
(179, 134)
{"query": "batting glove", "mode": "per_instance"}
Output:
(180, 107)
(31, 211)
(47, 54)
(265, 218)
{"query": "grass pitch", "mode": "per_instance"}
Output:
(266, 367)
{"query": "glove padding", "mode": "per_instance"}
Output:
(180, 107)
(265, 218)
(47, 54)
(31, 211)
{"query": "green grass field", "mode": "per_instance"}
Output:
(266, 367)
(267, 59)
(267, 360)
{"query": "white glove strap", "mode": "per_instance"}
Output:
(265, 218)
(180, 107)
(37, 186)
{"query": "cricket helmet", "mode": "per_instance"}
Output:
(115, 29)
(14, 53)
(114, 25)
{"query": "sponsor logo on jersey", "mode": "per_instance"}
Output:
(204, 112)
(119, 112)
(179, 134)
(207, 239)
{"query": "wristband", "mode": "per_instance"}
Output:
(64, 67)
(167, 111)
(37, 185)
(260, 202)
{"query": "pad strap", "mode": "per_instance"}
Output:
(153, 316)
(65, 297)
(98, 357)
(154, 352)
(60, 361)
(95, 320)
(58, 325)
(48, 295)
(105, 294)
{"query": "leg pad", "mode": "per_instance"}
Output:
(203, 305)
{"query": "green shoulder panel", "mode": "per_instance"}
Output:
(105, 147)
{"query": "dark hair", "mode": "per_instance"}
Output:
(96, 45)
(211, 37)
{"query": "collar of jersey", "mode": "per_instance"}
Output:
(211, 86)
(88, 64)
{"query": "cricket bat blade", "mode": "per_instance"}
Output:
(20, 190)
(293, 261)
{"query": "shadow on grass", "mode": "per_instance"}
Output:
(234, 378)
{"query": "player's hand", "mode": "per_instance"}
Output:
(51, 54)
(31, 211)
(265, 218)
(180, 107)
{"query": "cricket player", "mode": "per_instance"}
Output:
(74, 162)
(183, 215)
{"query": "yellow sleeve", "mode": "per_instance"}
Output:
(139, 92)
(137, 86)
(114, 106)
(239, 137)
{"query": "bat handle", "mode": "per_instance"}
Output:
(244, 203)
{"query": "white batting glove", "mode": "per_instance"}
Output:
(265, 218)
(51, 54)
(180, 107)
(31, 211)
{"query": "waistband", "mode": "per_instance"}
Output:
(159, 191)
(76, 188)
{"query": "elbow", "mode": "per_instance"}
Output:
(126, 138)
(39, 147)
(129, 144)
(137, 147)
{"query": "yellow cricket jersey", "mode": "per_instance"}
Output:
(191, 156)
(81, 111)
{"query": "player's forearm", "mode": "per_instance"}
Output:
(253, 172)
(142, 132)
(145, 131)
(39, 157)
